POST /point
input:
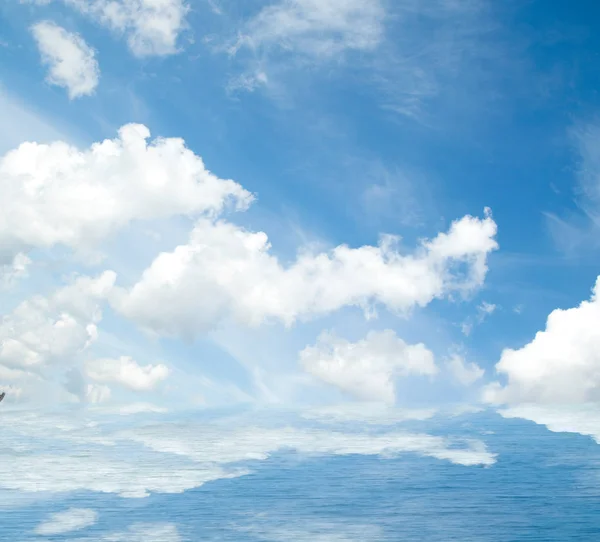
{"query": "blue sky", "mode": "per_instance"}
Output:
(362, 207)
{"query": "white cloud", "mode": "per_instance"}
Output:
(577, 232)
(15, 270)
(227, 272)
(367, 369)
(465, 373)
(152, 27)
(484, 310)
(70, 520)
(71, 61)
(316, 28)
(53, 330)
(97, 394)
(88, 393)
(57, 194)
(126, 372)
(586, 138)
(560, 365)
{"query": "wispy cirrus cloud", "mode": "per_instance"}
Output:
(315, 29)
(575, 229)
(408, 54)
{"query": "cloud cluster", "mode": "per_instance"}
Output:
(126, 372)
(43, 333)
(61, 195)
(560, 365)
(152, 27)
(465, 373)
(227, 272)
(71, 61)
(51, 330)
(46, 333)
(64, 196)
(366, 369)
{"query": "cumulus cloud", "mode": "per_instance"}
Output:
(57, 194)
(316, 28)
(73, 519)
(226, 272)
(463, 372)
(46, 330)
(560, 365)
(126, 372)
(152, 27)
(366, 369)
(70, 60)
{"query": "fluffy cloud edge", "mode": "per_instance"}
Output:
(225, 272)
(559, 365)
(367, 368)
(70, 60)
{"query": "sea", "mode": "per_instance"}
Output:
(539, 486)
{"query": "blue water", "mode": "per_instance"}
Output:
(544, 487)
